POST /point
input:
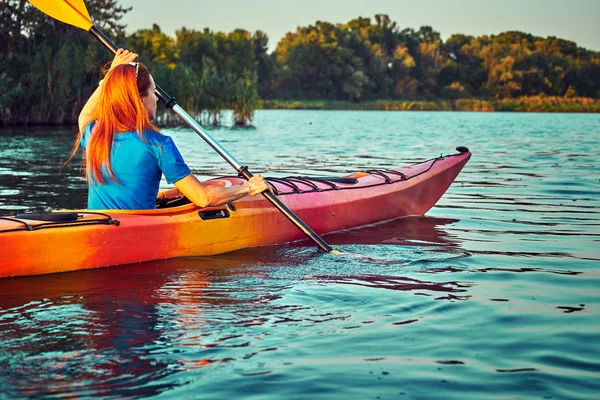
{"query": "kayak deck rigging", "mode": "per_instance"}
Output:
(311, 183)
(86, 239)
(295, 184)
(56, 222)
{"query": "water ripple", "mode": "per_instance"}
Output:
(493, 295)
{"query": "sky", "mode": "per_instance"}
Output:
(575, 20)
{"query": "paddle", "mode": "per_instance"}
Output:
(74, 12)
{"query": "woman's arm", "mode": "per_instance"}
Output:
(121, 57)
(85, 115)
(210, 196)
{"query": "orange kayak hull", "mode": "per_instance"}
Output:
(31, 247)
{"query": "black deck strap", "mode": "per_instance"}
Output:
(285, 182)
(107, 221)
(330, 179)
(293, 181)
(50, 216)
(392, 172)
(384, 173)
(27, 226)
(390, 176)
(325, 181)
(306, 182)
(377, 172)
(431, 164)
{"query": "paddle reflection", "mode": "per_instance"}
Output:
(424, 231)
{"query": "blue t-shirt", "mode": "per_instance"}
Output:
(138, 166)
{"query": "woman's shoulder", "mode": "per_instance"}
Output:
(155, 137)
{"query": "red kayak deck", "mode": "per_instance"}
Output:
(92, 239)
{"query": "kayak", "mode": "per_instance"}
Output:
(68, 240)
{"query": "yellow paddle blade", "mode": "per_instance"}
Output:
(72, 12)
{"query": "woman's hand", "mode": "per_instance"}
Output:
(212, 195)
(123, 57)
(257, 184)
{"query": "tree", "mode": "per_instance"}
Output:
(46, 65)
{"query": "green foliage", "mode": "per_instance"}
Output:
(46, 66)
(244, 100)
(362, 60)
(208, 72)
(48, 69)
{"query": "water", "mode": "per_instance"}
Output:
(494, 294)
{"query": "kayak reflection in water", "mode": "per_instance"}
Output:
(125, 155)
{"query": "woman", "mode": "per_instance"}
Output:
(125, 154)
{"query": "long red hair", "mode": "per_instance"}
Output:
(120, 109)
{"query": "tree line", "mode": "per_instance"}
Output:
(48, 69)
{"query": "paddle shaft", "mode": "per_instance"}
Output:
(242, 171)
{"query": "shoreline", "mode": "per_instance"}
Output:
(532, 104)
(535, 104)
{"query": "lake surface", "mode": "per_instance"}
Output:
(495, 293)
